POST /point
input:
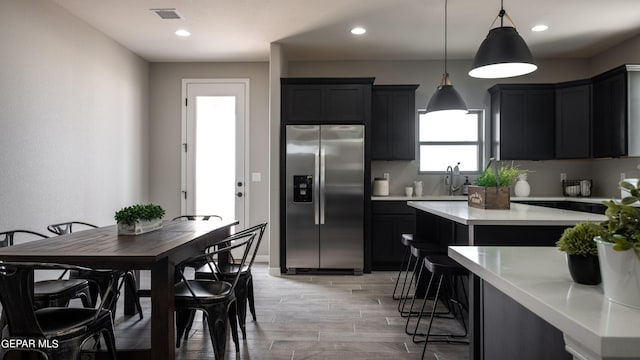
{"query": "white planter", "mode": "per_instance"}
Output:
(140, 227)
(620, 274)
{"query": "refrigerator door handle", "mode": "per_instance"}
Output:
(322, 186)
(316, 189)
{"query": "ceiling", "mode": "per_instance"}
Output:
(241, 30)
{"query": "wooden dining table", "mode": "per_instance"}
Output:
(158, 251)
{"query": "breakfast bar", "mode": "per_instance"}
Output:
(511, 326)
(537, 279)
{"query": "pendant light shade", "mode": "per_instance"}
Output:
(446, 98)
(502, 54)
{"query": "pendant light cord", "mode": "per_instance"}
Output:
(445, 39)
(502, 14)
(445, 77)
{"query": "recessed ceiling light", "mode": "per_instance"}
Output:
(539, 28)
(183, 33)
(358, 30)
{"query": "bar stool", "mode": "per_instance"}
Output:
(406, 240)
(418, 250)
(443, 270)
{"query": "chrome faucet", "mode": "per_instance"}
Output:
(450, 180)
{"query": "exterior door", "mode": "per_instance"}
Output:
(214, 132)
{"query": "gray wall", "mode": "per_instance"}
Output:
(545, 179)
(165, 131)
(73, 120)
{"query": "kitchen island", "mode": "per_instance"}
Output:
(455, 223)
(538, 280)
(520, 225)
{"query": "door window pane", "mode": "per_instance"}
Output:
(215, 155)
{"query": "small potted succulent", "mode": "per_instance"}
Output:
(582, 253)
(138, 219)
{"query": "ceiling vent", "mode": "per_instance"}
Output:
(167, 14)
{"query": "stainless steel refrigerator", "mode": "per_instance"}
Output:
(324, 197)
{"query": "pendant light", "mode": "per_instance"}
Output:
(503, 53)
(446, 98)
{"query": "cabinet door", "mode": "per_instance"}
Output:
(383, 242)
(573, 122)
(302, 104)
(610, 115)
(403, 125)
(523, 120)
(381, 115)
(540, 139)
(393, 122)
(344, 104)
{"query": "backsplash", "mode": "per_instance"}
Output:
(544, 179)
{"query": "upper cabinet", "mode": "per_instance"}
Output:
(393, 122)
(522, 119)
(573, 120)
(610, 114)
(326, 100)
(592, 118)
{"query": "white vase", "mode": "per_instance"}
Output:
(522, 188)
(620, 274)
(417, 188)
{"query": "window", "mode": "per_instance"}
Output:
(445, 140)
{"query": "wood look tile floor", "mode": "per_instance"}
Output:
(309, 317)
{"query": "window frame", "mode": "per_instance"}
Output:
(480, 143)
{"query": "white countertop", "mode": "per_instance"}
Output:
(538, 279)
(519, 214)
(588, 200)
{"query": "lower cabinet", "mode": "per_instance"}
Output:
(390, 219)
(593, 208)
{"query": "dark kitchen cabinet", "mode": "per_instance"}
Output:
(523, 121)
(573, 120)
(393, 122)
(390, 219)
(610, 113)
(326, 100)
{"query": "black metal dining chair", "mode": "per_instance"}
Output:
(197, 217)
(52, 292)
(244, 289)
(215, 298)
(65, 329)
(100, 280)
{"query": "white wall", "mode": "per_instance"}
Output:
(165, 131)
(73, 120)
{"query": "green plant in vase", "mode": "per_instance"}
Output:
(136, 219)
(582, 253)
(507, 175)
(491, 190)
(619, 248)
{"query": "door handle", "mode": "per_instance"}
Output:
(322, 184)
(316, 188)
(239, 194)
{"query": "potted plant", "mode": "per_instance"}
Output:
(619, 248)
(582, 253)
(138, 219)
(491, 190)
